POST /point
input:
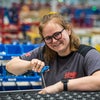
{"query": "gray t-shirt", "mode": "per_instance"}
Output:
(74, 65)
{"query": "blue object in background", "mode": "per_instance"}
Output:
(9, 81)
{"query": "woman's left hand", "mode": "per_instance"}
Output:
(52, 89)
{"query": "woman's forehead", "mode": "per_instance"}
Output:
(51, 28)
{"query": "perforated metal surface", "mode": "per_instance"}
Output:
(33, 95)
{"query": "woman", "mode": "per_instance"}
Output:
(70, 68)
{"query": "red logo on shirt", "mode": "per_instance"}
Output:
(70, 75)
(27, 54)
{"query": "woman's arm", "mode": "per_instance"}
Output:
(88, 83)
(18, 66)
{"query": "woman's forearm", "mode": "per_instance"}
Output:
(17, 66)
(89, 83)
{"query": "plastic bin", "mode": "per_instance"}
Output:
(13, 50)
(26, 48)
(2, 51)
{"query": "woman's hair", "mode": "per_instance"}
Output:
(57, 18)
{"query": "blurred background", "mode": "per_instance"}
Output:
(19, 21)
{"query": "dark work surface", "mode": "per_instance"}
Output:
(33, 95)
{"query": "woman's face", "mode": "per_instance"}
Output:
(57, 38)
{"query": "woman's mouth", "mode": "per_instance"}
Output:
(56, 45)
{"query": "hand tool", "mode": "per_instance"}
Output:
(45, 68)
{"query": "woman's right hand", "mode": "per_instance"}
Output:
(36, 65)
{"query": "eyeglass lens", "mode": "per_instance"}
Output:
(56, 36)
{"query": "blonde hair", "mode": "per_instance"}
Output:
(74, 40)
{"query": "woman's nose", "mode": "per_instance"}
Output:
(54, 40)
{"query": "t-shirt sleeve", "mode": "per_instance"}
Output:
(92, 61)
(34, 54)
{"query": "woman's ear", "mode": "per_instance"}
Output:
(69, 27)
(69, 32)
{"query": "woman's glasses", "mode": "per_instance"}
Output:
(56, 36)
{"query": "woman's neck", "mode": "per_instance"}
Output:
(64, 52)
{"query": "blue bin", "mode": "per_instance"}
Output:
(2, 51)
(1, 87)
(13, 50)
(26, 48)
(9, 86)
(9, 81)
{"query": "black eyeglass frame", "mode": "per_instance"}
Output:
(49, 39)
